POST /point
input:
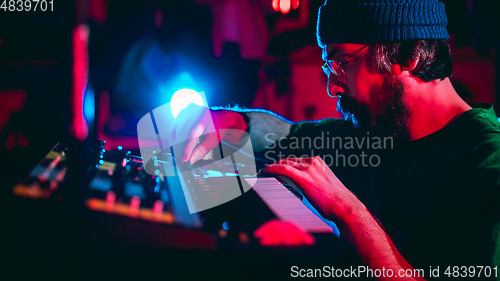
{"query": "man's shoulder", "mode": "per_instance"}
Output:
(481, 124)
(483, 117)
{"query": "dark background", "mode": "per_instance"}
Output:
(140, 52)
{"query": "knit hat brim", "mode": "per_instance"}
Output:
(347, 21)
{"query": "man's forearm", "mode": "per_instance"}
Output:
(265, 127)
(373, 244)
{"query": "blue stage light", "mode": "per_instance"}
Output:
(89, 105)
(182, 98)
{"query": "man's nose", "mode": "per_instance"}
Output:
(333, 87)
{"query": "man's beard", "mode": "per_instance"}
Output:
(386, 116)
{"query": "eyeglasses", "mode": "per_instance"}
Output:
(332, 66)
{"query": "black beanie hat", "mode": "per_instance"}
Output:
(380, 21)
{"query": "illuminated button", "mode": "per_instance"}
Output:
(135, 202)
(120, 147)
(101, 162)
(110, 200)
(158, 208)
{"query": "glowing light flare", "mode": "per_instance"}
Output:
(93, 204)
(285, 6)
(222, 233)
(276, 5)
(244, 237)
(184, 97)
(158, 17)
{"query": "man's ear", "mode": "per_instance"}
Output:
(407, 66)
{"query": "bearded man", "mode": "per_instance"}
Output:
(431, 198)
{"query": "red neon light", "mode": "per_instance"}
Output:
(79, 128)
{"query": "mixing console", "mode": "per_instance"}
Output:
(122, 185)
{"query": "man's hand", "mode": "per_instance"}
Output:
(335, 202)
(319, 185)
(204, 129)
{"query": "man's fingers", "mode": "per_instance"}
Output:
(211, 140)
(288, 171)
(193, 132)
(280, 170)
(186, 120)
(192, 141)
(302, 163)
(297, 163)
(290, 167)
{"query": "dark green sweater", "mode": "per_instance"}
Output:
(437, 197)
